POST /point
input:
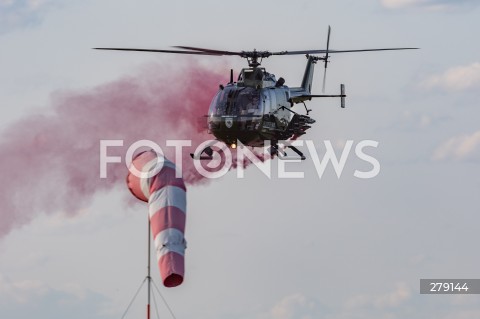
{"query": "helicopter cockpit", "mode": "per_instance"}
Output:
(235, 113)
(237, 101)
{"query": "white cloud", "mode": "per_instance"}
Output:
(5, 3)
(395, 298)
(418, 120)
(400, 302)
(459, 147)
(428, 4)
(287, 308)
(17, 13)
(35, 4)
(31, 298)
(21, 291)
(32, 4)
(394, 4)
(295, 306)
(463, 314)
(458, 78)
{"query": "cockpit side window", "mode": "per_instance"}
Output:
(214, 104)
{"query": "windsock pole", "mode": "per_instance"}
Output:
(149, 278)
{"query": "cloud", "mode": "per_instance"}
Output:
(299, 306)
(427, 4)
(394, 4)
(402, 301)
(463, 314)
(393, 299)
(459, 78)
(21, 291)
(34, 299)
(290, 306)
(19, 5)
(459, 147)
(295, 306)
(412, 120)
(21, 13)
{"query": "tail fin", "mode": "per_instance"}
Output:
(308, 75)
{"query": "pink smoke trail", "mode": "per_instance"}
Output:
(51, 162)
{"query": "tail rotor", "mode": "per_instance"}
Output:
(325, 58)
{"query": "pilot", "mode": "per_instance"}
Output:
(280, 82)
(258, 75)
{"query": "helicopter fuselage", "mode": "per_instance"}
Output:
(254, 109)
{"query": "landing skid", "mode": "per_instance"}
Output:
(282, 155)
(208, 157)
(207, 153)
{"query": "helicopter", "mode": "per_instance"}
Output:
(258, 107)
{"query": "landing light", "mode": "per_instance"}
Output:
(233, 146)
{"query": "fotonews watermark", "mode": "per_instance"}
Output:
(222, 158)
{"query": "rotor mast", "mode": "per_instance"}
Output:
(253, 56)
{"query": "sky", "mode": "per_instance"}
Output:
(258, 247)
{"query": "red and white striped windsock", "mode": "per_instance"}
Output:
(166, 197)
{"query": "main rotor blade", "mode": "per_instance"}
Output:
(161, 51)
(368, 50)
(336, 51)
(216, 52)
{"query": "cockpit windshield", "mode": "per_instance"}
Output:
(235, 101)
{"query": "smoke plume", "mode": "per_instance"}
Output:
(51, 162)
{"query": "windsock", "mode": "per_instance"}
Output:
(166, 197)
